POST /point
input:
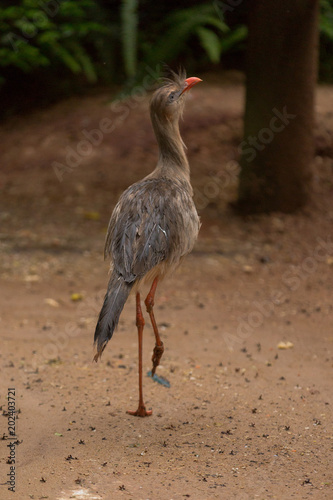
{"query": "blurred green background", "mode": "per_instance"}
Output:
(51, 49)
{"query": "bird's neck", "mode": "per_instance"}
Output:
(171, 147)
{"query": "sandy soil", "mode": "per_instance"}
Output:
(242, 418)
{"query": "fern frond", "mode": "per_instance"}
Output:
(211, 43)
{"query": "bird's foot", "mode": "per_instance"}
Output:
(156, 357)
(140, 412)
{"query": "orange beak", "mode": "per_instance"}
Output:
(189, 83)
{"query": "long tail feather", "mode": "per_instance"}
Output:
(114, 301)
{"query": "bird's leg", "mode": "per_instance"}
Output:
(159, 347)
(140, 323)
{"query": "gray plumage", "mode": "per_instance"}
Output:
(155, 223)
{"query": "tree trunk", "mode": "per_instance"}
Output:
(278, 145)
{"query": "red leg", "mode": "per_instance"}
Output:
(140, 323)
(159, 347)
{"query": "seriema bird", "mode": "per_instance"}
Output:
(153, 226)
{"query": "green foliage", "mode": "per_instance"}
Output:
(326, 40)
(235, 38)
(182, 26)
(199, 29)
(326, 19)
(97, 40)
(35, 34)
(210, 42)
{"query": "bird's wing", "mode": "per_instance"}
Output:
(143, 229)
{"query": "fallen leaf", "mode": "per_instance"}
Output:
(51, 302)
(285, 345)
(76, 297)
(248, 269)
(31, 277)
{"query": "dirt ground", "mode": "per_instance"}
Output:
(242, 418)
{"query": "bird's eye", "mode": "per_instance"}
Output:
(172, 96)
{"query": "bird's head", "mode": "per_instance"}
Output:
(167, 103)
